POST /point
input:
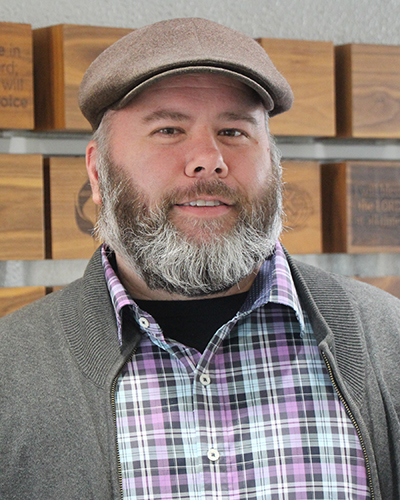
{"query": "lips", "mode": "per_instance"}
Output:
(203, 203)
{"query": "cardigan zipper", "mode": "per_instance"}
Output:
(119, 468)
(354, 421)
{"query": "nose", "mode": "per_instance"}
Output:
(206, 159)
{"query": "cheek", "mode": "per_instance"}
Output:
(153, 173)
(163, 168)
(146, 166)
(253, 170)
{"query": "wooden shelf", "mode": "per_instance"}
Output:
(293, 148)
(61, 272)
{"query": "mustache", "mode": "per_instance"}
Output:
(203, 187)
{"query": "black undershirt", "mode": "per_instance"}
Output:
(193, 322)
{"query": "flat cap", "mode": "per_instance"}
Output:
(178, 46)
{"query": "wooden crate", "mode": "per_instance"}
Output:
(12, 299)
(368, 90)
(72, 213)
(302, 205)
(62, 54)
(16, 76)
(361, 207)
(21, 207)
(309, 67)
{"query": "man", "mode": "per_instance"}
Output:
(195, 359)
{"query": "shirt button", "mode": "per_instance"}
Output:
(213, 454)
(205, 379)
(143, 322)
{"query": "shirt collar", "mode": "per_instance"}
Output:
(120, 298)
(274, 283)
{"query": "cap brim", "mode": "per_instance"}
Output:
(266, 98)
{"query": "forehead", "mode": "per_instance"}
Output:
(210, 85)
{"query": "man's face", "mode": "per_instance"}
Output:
(191, 156)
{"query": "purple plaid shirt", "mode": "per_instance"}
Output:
(253, 417)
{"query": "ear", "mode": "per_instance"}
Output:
(91, 167)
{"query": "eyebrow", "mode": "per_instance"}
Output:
(231, 116)
(166, 114)
(238, 116)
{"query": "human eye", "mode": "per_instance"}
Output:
(168, 131)
(232, 132)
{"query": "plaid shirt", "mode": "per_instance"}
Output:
(253, 417)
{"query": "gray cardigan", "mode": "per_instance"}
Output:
(60, 358)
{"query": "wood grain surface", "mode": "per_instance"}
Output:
(302, 205)
(12, 299)
(16, 76)
(62, 55)
(308, 66)
(368, 90)
(21, 207)
(361, 207)
(71, 209)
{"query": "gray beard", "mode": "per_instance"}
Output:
(165, 257)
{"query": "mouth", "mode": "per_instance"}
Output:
(203, 203)
(204, 208)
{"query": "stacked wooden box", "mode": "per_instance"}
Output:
(351, 91)
(16, 76)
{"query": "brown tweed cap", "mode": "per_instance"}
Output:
(174, 47)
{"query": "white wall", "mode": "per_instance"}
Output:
(340, 21)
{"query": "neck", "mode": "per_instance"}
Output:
(138, 289)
